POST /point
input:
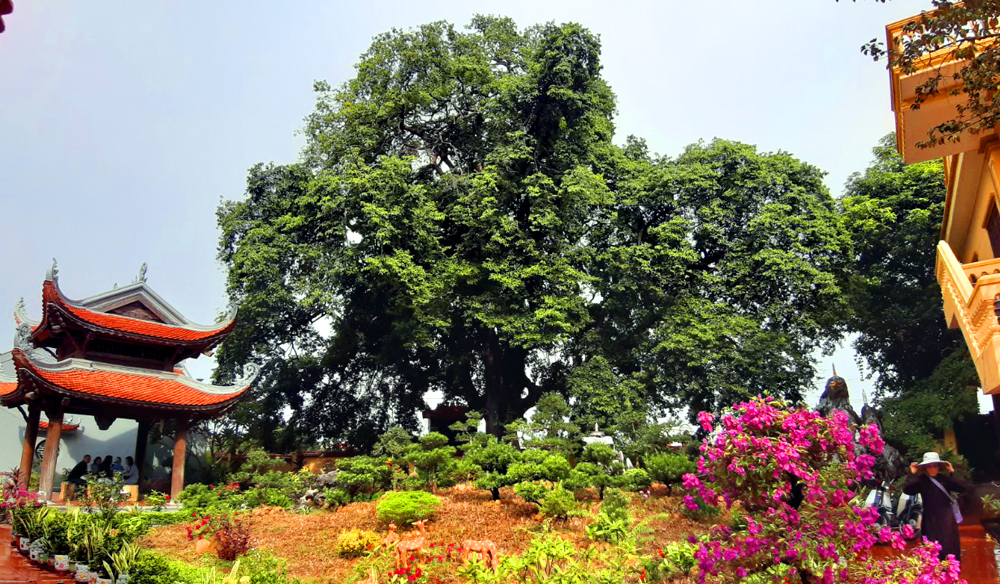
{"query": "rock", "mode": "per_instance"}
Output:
(327, 479)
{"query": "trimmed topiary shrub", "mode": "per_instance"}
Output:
(669, 468)
(405, 507)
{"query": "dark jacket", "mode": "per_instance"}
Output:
(76, 475)
(938, 523)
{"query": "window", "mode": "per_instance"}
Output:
(993, 229)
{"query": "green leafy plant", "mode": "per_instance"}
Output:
(363, 474)
(612, 522)
(56, 527)
(105, 495)
(405, 507)
(157, 500)
(668, 468)
(355, 543)
(532, 492)
(434, 459)
(558, 504)
(991, 507)
(121, 561)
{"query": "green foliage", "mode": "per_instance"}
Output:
(467, 429)
(703, 513)
(434, 459)
(405, 507)
(153, 568)
(551, 560)
(668, 468)
(923, 371)
(363, 474)
(599, 470)
(105, 495)
(636, 479)
(603, 399)
(354, 543)
(612, 522)
(549, 428)
(532, 492)
(197, 497)
(558, 503)
(465, 224)
(538, 465)
(393, 444)
(673, 560)
(121, 561)
(493, 459)
(156, 500)
(56, 528)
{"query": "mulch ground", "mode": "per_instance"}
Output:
(309, 541)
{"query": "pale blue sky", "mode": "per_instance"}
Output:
(123, 124)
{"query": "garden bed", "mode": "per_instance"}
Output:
(308, 541)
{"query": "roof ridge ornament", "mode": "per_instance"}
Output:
(249, 374)
(20, 310)
(22, 339)
(53, 273)
(141, 278)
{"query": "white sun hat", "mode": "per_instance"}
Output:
(930, 458)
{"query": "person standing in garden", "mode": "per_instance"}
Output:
(941, 513)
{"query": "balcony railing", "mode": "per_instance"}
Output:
(970, 293)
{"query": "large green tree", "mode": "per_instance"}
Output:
(462, 222)
(924, 373)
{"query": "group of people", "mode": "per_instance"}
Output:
(104, 468)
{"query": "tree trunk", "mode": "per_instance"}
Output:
(495, 491)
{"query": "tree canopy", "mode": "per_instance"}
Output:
(462, 222)
(893, 214)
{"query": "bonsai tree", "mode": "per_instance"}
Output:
(493, 458)
(433, 458)
(598, 468)
(668, 468)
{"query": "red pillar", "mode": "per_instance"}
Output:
(48, 475)
(28, 448)
(180, 454)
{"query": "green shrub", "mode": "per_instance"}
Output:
(266, 497)
(403, 508)
(363, 474)
(195, 497)
(558, 503)
(156, 500)
(355, 543)
(264, 568)
(669, 468)
(612, 522)
(635, 480)
(434, 459)
(336, 497)
(538, 465)
(531, 492)
(165, 517)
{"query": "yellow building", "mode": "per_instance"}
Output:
(968, 255)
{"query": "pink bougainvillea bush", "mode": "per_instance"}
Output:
(795, 474)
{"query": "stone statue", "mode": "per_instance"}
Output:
(836, 397)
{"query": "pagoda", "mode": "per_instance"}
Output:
(114, 355)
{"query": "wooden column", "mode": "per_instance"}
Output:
(48, 475)
(141, 441)
(180, 454)
(28, 448)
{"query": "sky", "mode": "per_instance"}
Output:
(124, 124)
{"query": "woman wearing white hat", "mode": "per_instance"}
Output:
(941, 514)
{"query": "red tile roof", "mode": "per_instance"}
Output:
(44, 425)
(7, 388)
(126, 386)
(130, 325)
